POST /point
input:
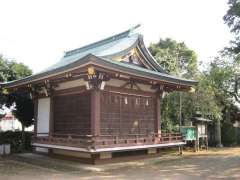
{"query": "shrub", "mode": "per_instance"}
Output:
(229, 134)
(15, 139)
(238, 136)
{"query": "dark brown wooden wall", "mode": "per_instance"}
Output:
(72, 114)
(136, 116)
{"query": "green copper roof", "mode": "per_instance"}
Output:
(117, 45)
(146, 72)
(105, 48)
(113, 65)
(104, 51)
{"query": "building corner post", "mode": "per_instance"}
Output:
(157, 125)
(51, 118)
(95, 112)
(35, 103)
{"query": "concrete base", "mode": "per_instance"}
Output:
(71, 153)
(41, 150)
(106, 155)
(152, 151)
(106, 158)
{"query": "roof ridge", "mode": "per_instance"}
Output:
(102, 42)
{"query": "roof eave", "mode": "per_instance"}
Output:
(149, 56)
(156, 76)
(94, 60)
(47, 74)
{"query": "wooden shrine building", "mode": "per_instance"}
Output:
(101, 100)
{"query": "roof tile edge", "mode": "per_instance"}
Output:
(102, 42)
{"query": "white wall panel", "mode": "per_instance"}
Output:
(70, 84)
(115, 82)
(43, 116)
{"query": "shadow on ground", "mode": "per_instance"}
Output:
(214, 164)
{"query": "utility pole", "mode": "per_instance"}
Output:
(180, 94)
(180, 109)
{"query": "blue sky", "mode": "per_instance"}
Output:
(38, 32)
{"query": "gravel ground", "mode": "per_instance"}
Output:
(214, 164)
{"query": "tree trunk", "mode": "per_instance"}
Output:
(218, 134)
(23, 139)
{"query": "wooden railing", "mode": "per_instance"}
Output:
(136, 139)
(65, 140)
(93, 142)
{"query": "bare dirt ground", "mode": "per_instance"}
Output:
(214, 164)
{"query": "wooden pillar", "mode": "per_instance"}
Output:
(157, 127)
(35, 101)
(197, 138)
(180, 150)
(95, 112)
(206, 129)
(51, 121)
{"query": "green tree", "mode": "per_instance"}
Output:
(232, 19)
(232, 53)
(11, 70)
(178, 59)
(23, 105)
(219, 80)
(175, 57)
(23, 110)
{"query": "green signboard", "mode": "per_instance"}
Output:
(188, 132)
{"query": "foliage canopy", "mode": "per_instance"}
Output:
(9, 71)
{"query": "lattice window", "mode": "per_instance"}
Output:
(138, 101)
(124, 119)
(71, 114)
